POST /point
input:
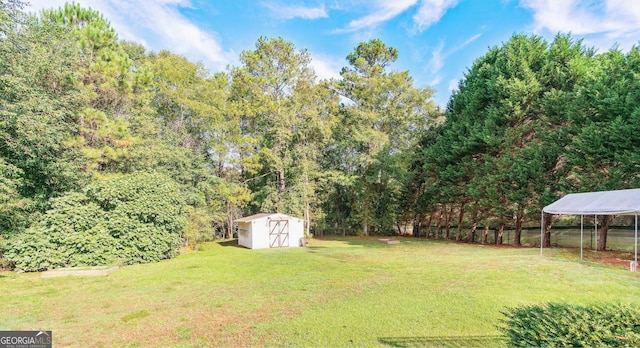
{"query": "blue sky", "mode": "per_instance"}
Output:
(437, 40)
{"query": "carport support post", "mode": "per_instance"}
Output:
(635, 249)
(595, 229)
(541, 230)
(581, 232)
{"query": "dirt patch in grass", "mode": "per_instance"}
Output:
(613, 258)
(193, 326)
(79, 272)
(618, 259)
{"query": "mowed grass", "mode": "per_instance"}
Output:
(336, 292)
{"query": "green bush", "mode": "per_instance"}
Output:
(135, 218)
(566, 325)
(145, 213)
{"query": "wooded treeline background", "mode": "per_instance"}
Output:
(106, 146)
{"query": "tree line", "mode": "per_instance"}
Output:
(112, 153)
(106, 146)
(530, 121)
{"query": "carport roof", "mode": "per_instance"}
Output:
(618, 202)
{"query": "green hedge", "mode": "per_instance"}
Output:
(566, 325)
(131, 219)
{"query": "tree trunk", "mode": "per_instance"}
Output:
(449, 215)
(365, 226)
(547, 231)
(307, 220)
(428, 233)
(602, 233)
(417, 221)
(307, 209)
(439, 226)
(460, 217)
(229, 234)
(519, 220)
(281, 183)
(500, 234)
(474, 226)
(220, 169)
(472, 233)
(485, 234)
(365, 211)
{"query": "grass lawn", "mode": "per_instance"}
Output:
(336, 292)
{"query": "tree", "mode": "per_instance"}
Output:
(10, 15)
(602, 152)
(40, 103)
(107, 77)
(105, 66)
(379, 123)
(502, 146)
(285, 123)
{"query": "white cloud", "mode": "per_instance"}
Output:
(157, 25)
(384, 11)
(434, 69)
(437, 59)
(428, 13)
(326, 67)
(565, 16)
(602, 22)
(439, 55)
(289, 12)
(470, 40)
(435, 81)
(431, 11)
(453, 85)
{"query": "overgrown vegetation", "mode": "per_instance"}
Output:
(131, 219)
(566, 325)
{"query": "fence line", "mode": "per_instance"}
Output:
(619, 238)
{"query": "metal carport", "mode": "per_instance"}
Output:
(618, 202)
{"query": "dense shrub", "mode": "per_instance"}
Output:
(145, 213)
(14, 208)
(562, 325)
(135, 218)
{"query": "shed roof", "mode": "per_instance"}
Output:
(270, 216)
(618, 202)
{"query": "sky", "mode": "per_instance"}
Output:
(437, 40)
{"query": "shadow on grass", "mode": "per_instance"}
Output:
(316, 248)
(444, 341)
(230, 243)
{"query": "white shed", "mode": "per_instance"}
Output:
(270, 231)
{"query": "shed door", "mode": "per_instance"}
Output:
(279, 233)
